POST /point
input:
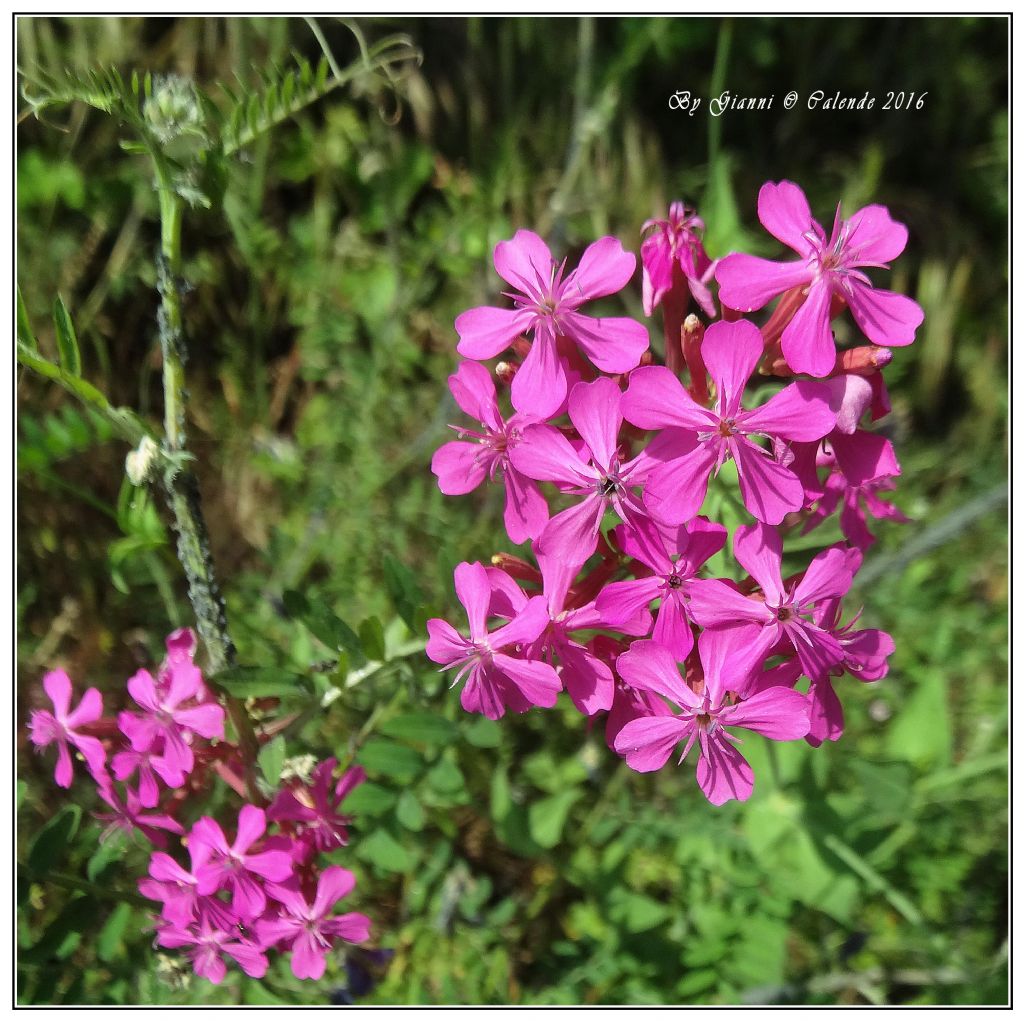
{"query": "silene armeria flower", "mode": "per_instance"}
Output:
(783, 614)
(218, 865)
(547, 303)
(309, 930)
(673, 247)
(495, 680)
(647, 742)
(59, 727)
(208, 942)
(657, 399)
(461, 465)
(829, 265)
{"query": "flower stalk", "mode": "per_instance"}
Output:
(182, 487)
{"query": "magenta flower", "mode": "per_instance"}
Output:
(596, 472)
(149, 766)
(670, 579)
(827, 266)
(656, 399)
(46, 728)
(674, 246)
(306, 928)
(209, 942)
(461, 466)
(316, 807)
(723, 773)
(862, 465)
(173, 886)
(784, 615)
(129, 817)
(218, 866)
(169, 723)
(495, 681)
(548, 305)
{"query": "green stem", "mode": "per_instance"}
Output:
(183, 487)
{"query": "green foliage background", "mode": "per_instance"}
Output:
(519, 862)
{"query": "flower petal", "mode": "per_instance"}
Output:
(770, 491)
(807, 339)
(486, 331)
(655, 398)
(473, 389)
(873, 237)
(800, 411)
(778, 713)
(747, 283)
(540, 385)
(459, 466)
(604, 268)
(614, 344)
(335, 883)
(886, 318)
(646, 743)
(784, 212)
(474, 592)
(675, 490)
(722, 772)
(731, 352)
(525, 262)
(594, 411)
(648, 666)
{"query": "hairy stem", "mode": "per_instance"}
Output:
(182, 486)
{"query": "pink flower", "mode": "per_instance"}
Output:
(548, 305)
(168, 721)
(675, 243)
(128, 817)
(218, 866)
(460, 466)
(597, 472)
(316, 807)
(862, 465)
(827, 266)
(723, 773)
(669, 581)
(209, 943)
(495, 680)
(784, 615)
(656, 399)
(149, 766)
(46, 728)
(173, 886)
(306, 928)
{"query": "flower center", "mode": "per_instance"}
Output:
(610, 486)
(675, 581)
(727, 427)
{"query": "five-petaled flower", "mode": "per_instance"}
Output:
(829, 265)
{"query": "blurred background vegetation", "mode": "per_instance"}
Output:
(520, 862)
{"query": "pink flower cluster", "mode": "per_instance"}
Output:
(619, 609)
(241, 897)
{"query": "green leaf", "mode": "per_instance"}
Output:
(25, 334)
(446, 778)
(381, 849)
(271, 758)
(264, 682)
(483, 733)
(110, 851)
(52, 840)
(409, 812)
(388, 758)
(370, 799)
(635, 912)
(547, 817)
(423, 728)
(330, 629)
(501, 795)
(371, 634)
(78, 915)
(110, 943)
(403, 588)
(67, 342)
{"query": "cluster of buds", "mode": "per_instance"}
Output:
(238, 899)
(617, 607)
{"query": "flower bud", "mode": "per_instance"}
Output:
(138, 465)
